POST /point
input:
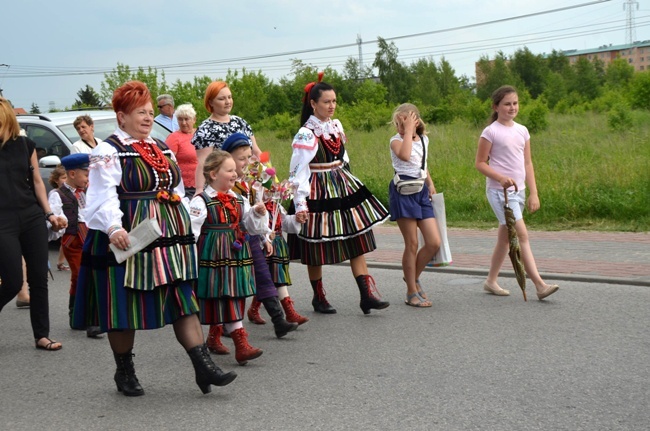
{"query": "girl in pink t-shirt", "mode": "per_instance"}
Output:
(503, 156)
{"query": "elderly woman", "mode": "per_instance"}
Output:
(134, 179)
(180, 142)
(23, 233)
(85, 127)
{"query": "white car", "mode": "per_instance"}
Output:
(54, 134)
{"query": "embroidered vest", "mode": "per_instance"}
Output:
(70, 209)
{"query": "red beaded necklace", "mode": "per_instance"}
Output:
(152, 155)
(333, 145)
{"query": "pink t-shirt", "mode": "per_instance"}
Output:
(507, 152)
(180, 143)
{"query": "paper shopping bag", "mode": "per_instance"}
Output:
(443, 256)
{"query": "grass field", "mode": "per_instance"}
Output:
(588, 177)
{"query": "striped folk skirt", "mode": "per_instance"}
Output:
(103, 300)
(226, 276)
(279, 261)
(342, 212)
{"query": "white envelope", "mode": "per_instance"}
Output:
(140, 236)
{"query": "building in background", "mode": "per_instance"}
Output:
(637, 54)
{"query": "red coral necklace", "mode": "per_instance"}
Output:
(333, 145)
(152, 155)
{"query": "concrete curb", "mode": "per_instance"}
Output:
(511, 274)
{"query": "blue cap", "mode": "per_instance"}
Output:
(236, 140)
(76, 161)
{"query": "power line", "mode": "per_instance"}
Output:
(46, 71)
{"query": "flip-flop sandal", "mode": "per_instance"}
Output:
(48, 346)
(422, 303)
(420, 291)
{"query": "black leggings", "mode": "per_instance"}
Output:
(23, 234)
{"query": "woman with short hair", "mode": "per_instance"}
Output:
(180, 142)
(134, 179)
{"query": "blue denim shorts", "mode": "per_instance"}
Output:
(516, 202)
(417, 205)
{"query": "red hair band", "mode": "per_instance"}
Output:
(309, 86)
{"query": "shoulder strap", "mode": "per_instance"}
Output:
(424, 151)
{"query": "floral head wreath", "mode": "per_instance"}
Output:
(309, 86)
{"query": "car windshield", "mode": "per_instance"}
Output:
(105, 128)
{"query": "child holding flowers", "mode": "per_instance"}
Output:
(279, 260)
(220, 219)
(251, 181)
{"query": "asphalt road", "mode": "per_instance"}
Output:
(578, 361)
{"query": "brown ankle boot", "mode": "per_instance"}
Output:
(244, 351)
(292, 314)
(254, 313)
(214, 340)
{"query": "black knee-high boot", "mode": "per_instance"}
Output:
(370, 297)
(280, 324)
(71, 309)
(320, 303)
(207, 372)
(125, 377)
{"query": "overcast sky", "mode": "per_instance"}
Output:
(76, 37)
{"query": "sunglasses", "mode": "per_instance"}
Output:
(162, 106)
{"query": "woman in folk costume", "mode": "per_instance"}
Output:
(221, 220)
(341, 210)
(134, 178)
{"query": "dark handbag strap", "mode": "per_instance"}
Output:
(424, 153)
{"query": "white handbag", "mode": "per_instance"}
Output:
(410, 187)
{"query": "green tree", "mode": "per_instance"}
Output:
(392, 74)
(249, 93)
(448, 84)
(556, 89)
(556, 61)
(425, 82)
(303, 74)
(531, 69)
(640, 90)
(123, 73)
(371, 92)
(87, 98)
(619, 73)
(34, 109)
(192, 92)
(294, 88)
(587, 80)
(492, 74)
(277, 101)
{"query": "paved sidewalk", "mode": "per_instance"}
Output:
(604, 257)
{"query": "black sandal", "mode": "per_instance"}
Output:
(48, 346)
